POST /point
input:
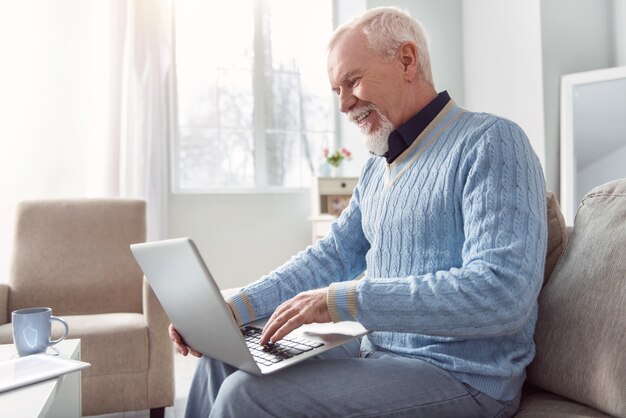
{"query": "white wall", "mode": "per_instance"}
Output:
(502, 61)
(242, 236)
(576, 36)
(619, 31)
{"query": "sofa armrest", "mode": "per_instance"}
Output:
(161, 368)
(4, 303)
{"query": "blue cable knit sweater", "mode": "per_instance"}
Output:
(452, 236)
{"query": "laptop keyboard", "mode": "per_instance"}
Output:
(276, 352)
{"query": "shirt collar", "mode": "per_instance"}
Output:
(405, 134)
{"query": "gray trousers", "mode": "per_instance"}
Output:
(339, 383)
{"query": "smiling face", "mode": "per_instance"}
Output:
(372, 92)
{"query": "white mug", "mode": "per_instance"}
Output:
(32, 328)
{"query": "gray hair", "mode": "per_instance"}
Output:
(386, 28)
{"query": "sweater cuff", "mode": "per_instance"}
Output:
(242, 308)
(341, 301)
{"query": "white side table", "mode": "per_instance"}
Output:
(53, 398)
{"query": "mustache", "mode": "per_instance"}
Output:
(356, 114)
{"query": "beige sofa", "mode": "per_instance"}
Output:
(74, 256)
(580, 366)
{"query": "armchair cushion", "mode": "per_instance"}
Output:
(580, 334)
(127, 332)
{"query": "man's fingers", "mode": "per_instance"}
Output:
(275, 324)
(270, 328)
(181, 347)
(289, 326)
(304, 308)
(282, 327)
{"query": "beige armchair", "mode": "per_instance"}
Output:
(74, 256)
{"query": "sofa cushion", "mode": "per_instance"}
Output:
(580, 334)
(557, 235)
(549, 405)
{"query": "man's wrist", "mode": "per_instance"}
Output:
(342, 301)
(242, 308)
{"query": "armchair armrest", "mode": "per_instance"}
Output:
(4, 303)
(161, 369)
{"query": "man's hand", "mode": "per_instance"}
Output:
(181, 347)
(305, 308)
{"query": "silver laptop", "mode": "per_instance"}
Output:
(194, 304)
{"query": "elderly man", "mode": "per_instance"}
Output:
(447, 220)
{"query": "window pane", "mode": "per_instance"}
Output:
(209, 158)
(236, 99)
(283, 159)
(318, 113)
(283, 102)
(293, 158)
(215, 98)
(196, 101)
(297, 91)
(317, 142)
(217, 65)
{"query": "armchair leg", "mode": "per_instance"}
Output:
(157, 412)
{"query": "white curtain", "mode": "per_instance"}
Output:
(141, 117)
(85, 104)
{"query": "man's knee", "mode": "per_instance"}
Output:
(240, 393)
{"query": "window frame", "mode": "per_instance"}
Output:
(259, 124)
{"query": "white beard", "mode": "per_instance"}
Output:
(376, 142)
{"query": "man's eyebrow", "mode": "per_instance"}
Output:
(347, 76)
(344, 78)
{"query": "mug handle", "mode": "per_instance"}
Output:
(67, 330)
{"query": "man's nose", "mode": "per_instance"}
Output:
(346, 101)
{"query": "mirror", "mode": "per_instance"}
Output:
(593, 133)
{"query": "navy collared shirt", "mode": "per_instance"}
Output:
(403, 137)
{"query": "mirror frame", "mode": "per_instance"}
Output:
(567, 199)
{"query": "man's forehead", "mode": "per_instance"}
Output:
(346, 53)
(351, 40)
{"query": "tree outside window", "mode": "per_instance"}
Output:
(254, 109)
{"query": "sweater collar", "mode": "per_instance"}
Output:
(402, 138)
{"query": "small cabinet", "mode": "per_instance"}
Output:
(329, 197)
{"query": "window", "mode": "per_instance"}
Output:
(255, 108)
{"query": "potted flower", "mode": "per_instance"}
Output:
(335, 158)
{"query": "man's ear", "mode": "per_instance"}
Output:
(408, 58)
